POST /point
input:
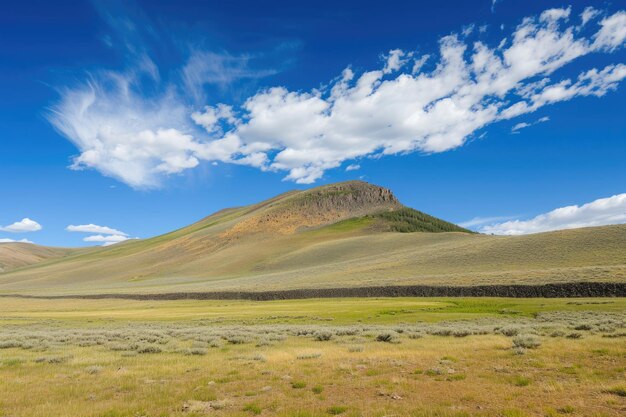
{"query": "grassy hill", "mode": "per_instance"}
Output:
(16, 255)
(346, 234)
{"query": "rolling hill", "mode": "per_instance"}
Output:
(17, 254)
(339, 235)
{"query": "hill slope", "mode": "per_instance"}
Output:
(16, 255)
(342, 234)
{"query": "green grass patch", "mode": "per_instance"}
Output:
(253, 408)
(335, 410)
(521, 381)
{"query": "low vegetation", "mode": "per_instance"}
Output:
(315, 358)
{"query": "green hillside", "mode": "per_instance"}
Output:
(408, 220)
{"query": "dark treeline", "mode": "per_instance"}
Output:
(564, 290)
(408, 220)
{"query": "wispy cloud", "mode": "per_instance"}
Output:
(133, 125)
(611, 210)
(523, 125)
(479, 221)
(23, 226)
(588, 14)
(396, 109)
(221, 69)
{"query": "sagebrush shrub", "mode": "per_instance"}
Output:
(388, 337)
(526, 341)
(322, 336)
(510, 331)
(95, 369)
(149, 349)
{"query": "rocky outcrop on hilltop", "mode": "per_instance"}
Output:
(317, 207)
(356, 197)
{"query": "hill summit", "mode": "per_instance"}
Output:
(330, 204)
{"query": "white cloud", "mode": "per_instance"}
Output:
(353, 167)
(210, 119)
(611, 210)
(477, 221)
(396, 60)
(523, 125)
(613, 32)
(493, 5)
(519, 126)
(106, 239)
(554, 15)
(204, 68)
(393, 110)
(94, 228)
(122, 135)
(23, 226)
(588, 14)
(103, 234)
(4, 240)
(419, 63)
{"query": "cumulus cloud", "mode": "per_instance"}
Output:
(396, 59)
(106, 240)
(611, 210)
(94, 228)
(100, 234)
(5, 240)
(353, 167)
(23, 226)
(122, 135)
(397, 109)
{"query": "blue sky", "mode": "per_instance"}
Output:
(130, 119)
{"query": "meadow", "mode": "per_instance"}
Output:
(319, 357)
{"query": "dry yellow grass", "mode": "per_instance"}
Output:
(350, 375)
(16, 255)
(482, 379)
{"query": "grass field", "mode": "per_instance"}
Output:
(320, 357)
(369, 357)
